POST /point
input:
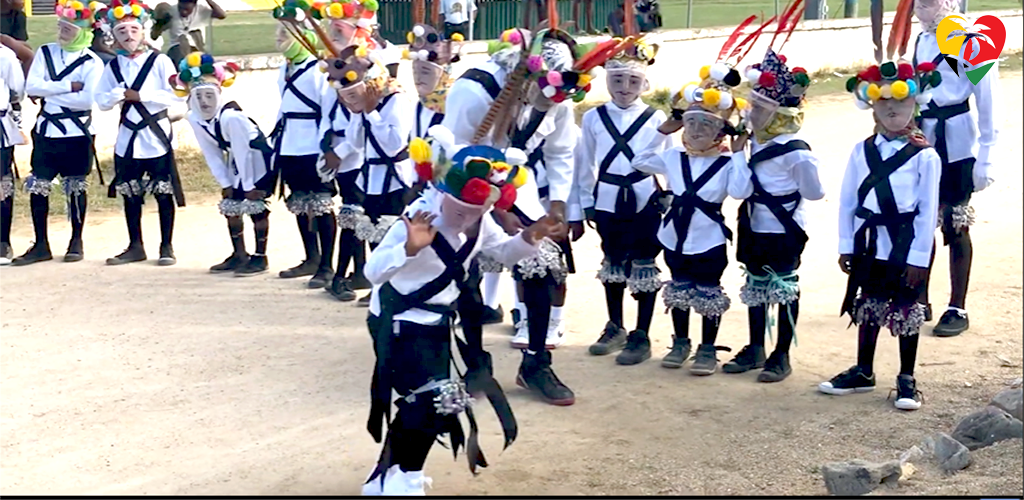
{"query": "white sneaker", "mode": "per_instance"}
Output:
(373, 488)
(4, 261)
(406, 484)
(521, 340)
(556, 334)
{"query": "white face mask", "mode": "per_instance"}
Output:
(625, 86)
(66, 32)
(931, 12)
(459, 216)
(762, 111)
(894, 115)
(129, 36)
(426, 75)
(701, 130)
(341, 33)
(283, 39)
(353, 96)
(206, 101)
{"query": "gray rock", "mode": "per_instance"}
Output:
(948, 453)
(987, 426)
(914, 454)
(1010, 401)
(858, 477)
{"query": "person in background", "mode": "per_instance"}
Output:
(617, 21)
(14, 36)
(185, 25)
(12, 90)
(457, 14)
(587, 25)
(102, 37)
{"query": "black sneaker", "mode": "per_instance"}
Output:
(637, 350)
(776, 368)
(849, 382)
(166, 255)
(6, 252)
(134, 253)
(749, 358)
(951, 324)
(341, 289)
(705, 362)
(76, 251)
(492, 316)
(907, 396)
(927, 313)
(321, 279)
(612, 339)
(364, 301)
(306, 268)
(679, 353)
(230, 264)
(38, 253)
(359, 282)
(536, 375)
(257, 264)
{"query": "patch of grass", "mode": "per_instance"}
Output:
(1011, 61)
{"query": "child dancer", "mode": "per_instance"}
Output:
(238, 156)
(139, 80)
(12, 89)
(887, 214)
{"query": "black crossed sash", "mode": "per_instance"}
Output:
(775, 204)
(535, 158)
(382, 158)
(65, 112)
(259, 143)
(625, 198)
(686, 204)
(434, 120)
(325, 142)
(314, 113)
(485, 79)
(941, 114)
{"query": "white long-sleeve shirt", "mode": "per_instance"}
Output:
(11, 80)
(424, 119)
(155, 95)
(58, 94)
(915, 185)
(969, 135)
(466, 104)
(390, 264)
(336, 121)
(573, 207)
(301, 137)
(703, 234)
(240, 166)
(556, 138)
(792, 172)
(389, 125)
(598, 142)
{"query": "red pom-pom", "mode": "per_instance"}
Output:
(348, 9)
(508, 197)
(231, 65)
(926, 67)
(425, 171)
(798, 69)
(559, 97)
(476, 191)
(905, 72)
(587, 88)
(873, 74)
(86, 14)
(766, 79)
(782, 58)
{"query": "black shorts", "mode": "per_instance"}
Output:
(883, 281)
(957, 182)
(704, 269)
(779, 251)
(7, 161)
(347, 188)
(625, 238)
(376, 205)
(66, 157)
(265, 184)
(154, 169)
(301, 176)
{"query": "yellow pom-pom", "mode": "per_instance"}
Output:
(409, 37)
(886, 92)
(584, 80)
(77, 5)
(419, 150)
(136, 10)
(362, 52)
(62, 3)
(194, 60)
(323, 11)
(741, 103)
(335, 10)
(900, 90)
(874, 92)
(712, 96)
(405, 53)
(351, 76)
(705, 72)
(457, 37)
(520, 178)
(181, 92)
(118, 12)
(227, 83)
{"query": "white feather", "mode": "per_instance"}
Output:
(515, 156)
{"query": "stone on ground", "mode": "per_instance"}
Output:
(1010, 401)
(949, 454)
(987, 426)
(859, 477)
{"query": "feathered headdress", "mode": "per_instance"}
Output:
(296, 17)
(74, 12)
(771, 77)
(427, 44)
(894, 80)
(130, 11)
(199, 70)
(899, 35)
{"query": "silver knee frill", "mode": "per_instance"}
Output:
(75, 185)
(644, 277)
(349, 217)
(547, 260)
(160, 187)
(900, 320)
(35, 185)
(238, 208)
(6, 187)
(489, 264)
(770, 289)
(962, 216)
(612, 272)
(310, 204)
(708, 301)
(130, 189)
(450, 396)
(374, 233)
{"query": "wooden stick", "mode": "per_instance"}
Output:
(499, 108)
(629, 23)
(325, 39)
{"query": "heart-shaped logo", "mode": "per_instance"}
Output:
(976, 49)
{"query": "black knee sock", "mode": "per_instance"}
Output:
(867, 339)
(908, 353)
(77, 207)
(645, 310)
(327, 227)
(236, 230)
(133, 218)
(165, 204)
(410, 449)
(358, 258)
(347, 243)
(537, 297)
(923, 299)
(613, 294)
(961, 252)
(40, 211)
(681, 322)
(6, 217)
(787, 325)
(757, 320)
(308, 235)
(709, 329)
(261, 226)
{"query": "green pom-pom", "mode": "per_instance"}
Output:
(497, 45)
(456, 180)
(371, 5)
(206, 69)
(888, 70)
(478, 169)
(935, 78)
(278, 12)
(851, 84)
(579, 96)
(185, 76)
(802, 79)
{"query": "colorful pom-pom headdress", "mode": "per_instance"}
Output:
(353, 20)
(356, 64)
(427, 44)
(771, 78)
(130, 11)
(75, 12)
(198, 70)
(894, 80)
(296, 18)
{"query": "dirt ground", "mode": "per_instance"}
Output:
(148, 380)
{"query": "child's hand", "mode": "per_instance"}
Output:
(671, 126)
(420, 232)
(739, 143)
(546, 227)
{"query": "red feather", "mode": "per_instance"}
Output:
(793, 21)
(907, 26)
(753, 37)
(731, 41)
(900, 28)
(784, 20)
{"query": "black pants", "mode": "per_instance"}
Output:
(629, 237)
(461, 28)
(66, 157)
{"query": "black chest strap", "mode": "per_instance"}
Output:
(485, 79)
(684, 206)
(436, 119)
(325, 142)
(149, 120)
(314, 113)
(56, 119)
(625, 198)
(776, 204)
(520, 136)
(382, 158)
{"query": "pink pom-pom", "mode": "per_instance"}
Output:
(534, 63)
(515, 37)
(555, 78)
(69, 12)
(58, 10)
(218, 71)
(178, 82)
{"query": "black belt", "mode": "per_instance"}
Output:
(684, 206)
(941, 114)
(865, 246)
(625, 199)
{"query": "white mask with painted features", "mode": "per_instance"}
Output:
(701, 130)
(128, 36)
(353, 96)
(625, 86)
(762, 111)
(206, 101)
(341, 33)
(458, 215)
(283, 39)
(893, 114)
(66, 32)
(426, 75)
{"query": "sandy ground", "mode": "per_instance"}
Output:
(148, 380)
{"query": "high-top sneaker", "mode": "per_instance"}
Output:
(359, 282)
(521, 340)
(705, 362)
(637, 350)
(612, 339)
(341, 289)
(306, 268)
(257, 264)
(6, 254)
(952, 323)
(749, 358)
(776, 368)
(322, 278)
(364, 301)
(679, 353)
(406, 484)
(492, 316)
(38, 253)
(230, 264)
(851, 381)
(166, 255)
(76, 251)
(134, 253)
(907, 396)
(556, 334)
(535, 374)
